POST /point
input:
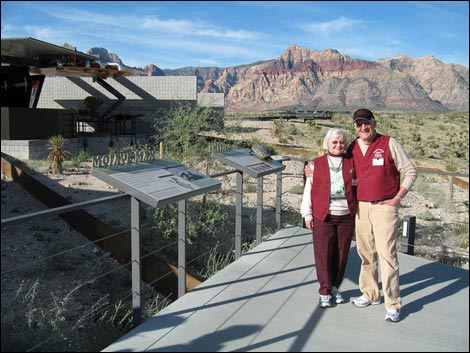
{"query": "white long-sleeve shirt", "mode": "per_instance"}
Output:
(338, 207)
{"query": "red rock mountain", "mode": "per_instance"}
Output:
(311, 79)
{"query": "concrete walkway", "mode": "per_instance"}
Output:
(267, 301)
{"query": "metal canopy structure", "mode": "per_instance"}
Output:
(27, 61)
(53, 60)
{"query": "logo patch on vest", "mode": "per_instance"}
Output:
(378, 157)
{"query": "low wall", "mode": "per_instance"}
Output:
(37, 149)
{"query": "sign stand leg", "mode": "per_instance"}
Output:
(135, 256)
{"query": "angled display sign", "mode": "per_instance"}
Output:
(157, 182)
(245, 162)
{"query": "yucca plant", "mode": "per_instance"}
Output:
(58, 154)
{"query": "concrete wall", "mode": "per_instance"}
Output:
(37, 149)
(215, 100)
(144, 95)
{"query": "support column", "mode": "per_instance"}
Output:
(259, 209)
(135, 257)
(278, 200)
(181, 248)
(238, 215)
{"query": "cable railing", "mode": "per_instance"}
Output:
(40, 216)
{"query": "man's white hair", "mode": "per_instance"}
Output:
(333, 132)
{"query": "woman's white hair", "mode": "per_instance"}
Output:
(333, 132)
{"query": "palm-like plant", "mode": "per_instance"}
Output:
(58, 154)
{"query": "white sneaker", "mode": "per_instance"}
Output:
(392, 315)
(363, 301)
(325, 301)
(338, 298)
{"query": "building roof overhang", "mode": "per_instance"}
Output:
(50, 59)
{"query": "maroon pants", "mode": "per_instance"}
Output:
(331, 242)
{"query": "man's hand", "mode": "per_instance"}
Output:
(391, 202)
(308, 170)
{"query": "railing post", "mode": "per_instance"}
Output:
(409, 230)
(278, 200)
(238, 215)
(451, 188)
(135, 257)
(259, 209)
(304, 178)
(181, 248)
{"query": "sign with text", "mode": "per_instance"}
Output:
(243, 161)
(157, 182)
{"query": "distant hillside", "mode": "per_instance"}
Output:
(327, 80)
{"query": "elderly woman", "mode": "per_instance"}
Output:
(329, 209)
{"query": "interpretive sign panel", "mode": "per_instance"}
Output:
(242, 160)
(157, 182)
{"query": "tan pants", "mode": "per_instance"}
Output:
(376, 236)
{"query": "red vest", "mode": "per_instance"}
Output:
(321, 186)
(377, 176)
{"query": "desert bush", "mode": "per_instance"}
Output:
(180, 127)
(215, 262)
(58, 153)
(79, 158)
(297, 189)
(93, 103)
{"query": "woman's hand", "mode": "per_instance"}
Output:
(309, 224)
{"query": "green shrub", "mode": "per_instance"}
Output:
(297, 189)
(180, 127)
(58, 154)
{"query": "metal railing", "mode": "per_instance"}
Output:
(136, 270)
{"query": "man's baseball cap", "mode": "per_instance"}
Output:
(363, 114)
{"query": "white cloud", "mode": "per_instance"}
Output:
(329, 27)
(171, 26)
(79, 16)
(197, 28)
(6, 27)
(46, 34)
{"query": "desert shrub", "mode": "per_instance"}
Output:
(215, 262)
(205, 223)
(79, 158)
(93, 104)
(426, 215)
(58, 154)
(297, 189)
(180, 127)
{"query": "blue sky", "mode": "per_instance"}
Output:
(175, 34)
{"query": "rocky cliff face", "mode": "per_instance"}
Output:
(103, 54)
(447, 84)
(152, 70)
(203, 74)
(327, 80)
(310, 79)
